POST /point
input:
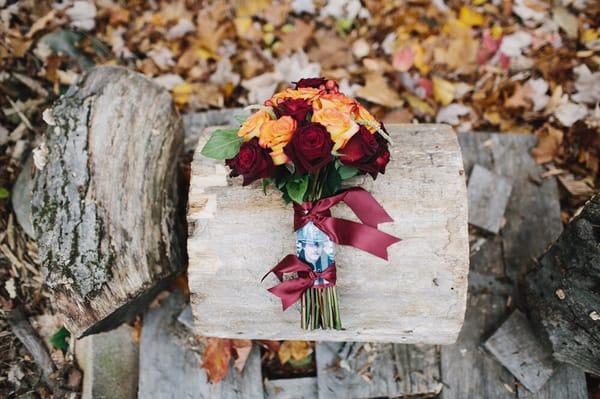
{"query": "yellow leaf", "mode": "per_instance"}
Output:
(420, 61)
(443, 90)
(496, 32)
(295, 350)
(248, 8)
(492, 117)
(479, 2)
(470, 17)
(376, 90)
(419, 105)
(181, 93)
(242, 25)
(589, 35)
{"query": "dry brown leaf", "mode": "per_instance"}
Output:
(549, 144)
(296, 39)
(519, 98)
(41, 23)
(377, 90)
(332, 50)
(216, 358)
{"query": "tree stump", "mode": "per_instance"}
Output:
(236, 234)
(105, 204)
(563, 295)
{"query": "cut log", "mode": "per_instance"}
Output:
(563, 295)
(236, 234)
(105, 204)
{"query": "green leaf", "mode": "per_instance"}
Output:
(332, 183)
(223, 144)
(297, 188)
(265, 183)
(347, 172)
(4, 193)
(59, 339)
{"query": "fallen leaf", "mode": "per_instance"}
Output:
(242, 349)
(294, 350)
(443, 90)
(470, 17)
(216, 358)
(568, 112)
(82, 15)
(376, 90)
(41, 24)
(518, 99)
(567, 21)
(451, 114)
(332, 50)
(549, 144)
(418, 105)
(295, 39)
(404, 58)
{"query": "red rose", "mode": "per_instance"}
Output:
(310, 148)
(366, 152)
(252, 162)
(297, 108)
(310, 82)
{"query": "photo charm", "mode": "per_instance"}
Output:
(305, 141)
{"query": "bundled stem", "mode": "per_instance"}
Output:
(320, 306)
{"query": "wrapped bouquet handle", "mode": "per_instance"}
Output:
(363, 236)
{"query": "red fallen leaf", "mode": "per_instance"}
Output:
(427, 86)
(489, 46)
(216, 358)
(404, 59)
(270, 345)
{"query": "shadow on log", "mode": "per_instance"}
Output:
(105, 204)
(563, 294)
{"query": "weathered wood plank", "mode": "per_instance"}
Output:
(171, 368)
(488, 196)
(367, 370)
(563, 293)
(423, 285)
(517, 348)
(532, 221)
(105, 204)
(291, 388)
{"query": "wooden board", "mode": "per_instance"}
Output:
(488, 196)
(236, 234)
(171, 368)
(532, 222)
(515, 345)
(368, 370)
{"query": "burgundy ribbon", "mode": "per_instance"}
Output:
(363, 236)
(289, 291)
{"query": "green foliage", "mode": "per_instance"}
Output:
(4, 193)
(296, 188)
(223, 144)
(59, 339)
(346, 171)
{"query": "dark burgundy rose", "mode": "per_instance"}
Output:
(252, 162)
(310, 148)
(296, 108)
(366, 152)
(310, 82)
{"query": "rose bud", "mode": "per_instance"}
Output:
(296, 108)
(310, 82)
(310, 148)
(366, 152)
(252, 162)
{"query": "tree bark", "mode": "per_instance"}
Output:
(563, 294)
(105, 204)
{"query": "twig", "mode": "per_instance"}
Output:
(23, 330)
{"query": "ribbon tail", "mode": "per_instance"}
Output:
(366, 207)
(361, 236)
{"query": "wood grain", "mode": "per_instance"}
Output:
(236, 234)
(105, 205)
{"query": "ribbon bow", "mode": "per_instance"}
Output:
(289, 291)
(363, 236)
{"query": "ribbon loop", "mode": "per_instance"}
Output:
(363, 236)
(290, 291)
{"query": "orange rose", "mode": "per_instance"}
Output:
(361, 113)
(339, 124)
(278, 156)
(251, 126)
(336, 101)
(304, 93)
(276, 133)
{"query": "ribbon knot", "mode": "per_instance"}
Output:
(289, 291)
(363, 235)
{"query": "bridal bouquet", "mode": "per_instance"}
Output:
(305, 141)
